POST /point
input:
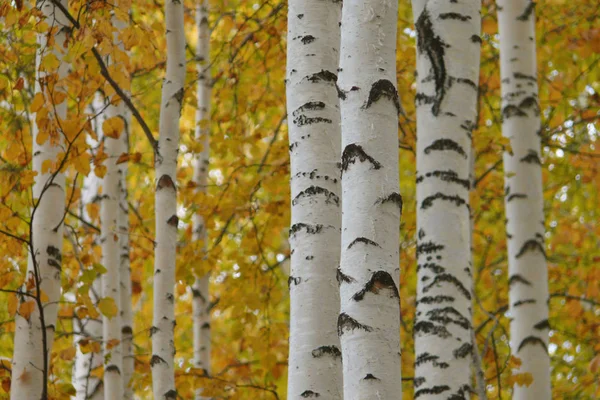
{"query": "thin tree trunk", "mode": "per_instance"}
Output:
(125, 273)
(34, 334)
(448, 50)
(528, 275)
(315, 363)
(369, 322)
(200, 290)
(163, 324)
(111, 325)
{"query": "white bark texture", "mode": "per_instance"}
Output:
(200, 289)
(163, 324)
(109, 239)
(125, 271)
(448, 51)
(369, 322)
(315, 359)
(528, 275)
(34, 335)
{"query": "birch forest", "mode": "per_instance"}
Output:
(301, 199)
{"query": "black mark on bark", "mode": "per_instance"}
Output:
(347, 323)
(531, 245)
(341, 277)
(446, 176)
(532, 340)
(521, 302)
(450, 279)
(532, 157)
(308, 39)
(428, 247)
(463, 351)
(446, 144)
(379, 280)
(427, 328)
(394, 198)
(518, 279)
(543, 324)
(353, 152)
(433, 390)
(528, 11)
(322, 351)
(330, 197)
(383, 88)
(428, 201)
(363, 240)
(309, 394)
(453, 15)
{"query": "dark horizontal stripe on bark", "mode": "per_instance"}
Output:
(435, 268)
(435, 299)
(516, 278)
(433, 390)
(378, 281)
(394, 198)
(428, 248)
(165, 182)
(531, 245)
(530, 102)
(445, 176)
(309, 106)
(446, 145)
(383, 88)
(433, 47)
(113, 368)
(543, 324)
(450, 279)
(532, 157)
(513, 95)
(462, 393)
(429, 328)
(463, 351)
(341, 277)
(532, 340)
(465, 81)
(426, 357)
(347, 323)
(363, 240)
(171, 395)
(311, 229)
(54, 253)
(323, 76)
(322, 351)
(311, 191)
(303, 120)
(308, 39)
(511, 110)
(515, 196)
(309, 394)
(419, 381)
(156, 359)
(370, 377)
(527, 12)
(519, 75)
(476, 39)
(352, 152)
(314, 174)
(453, 15)
(522, 302)
(457, 200)
(444, 316)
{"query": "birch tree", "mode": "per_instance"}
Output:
(109, 239)
(36, 319)
(315, 362)
(200, 290)
(528, 275)
(369, 322)
(163, 323)
(448, 50)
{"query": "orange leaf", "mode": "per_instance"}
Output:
(25, 309)
(19, 84)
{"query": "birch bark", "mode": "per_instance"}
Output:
(448, 50)
(200, 289)
(528, 275)
(369, 322)
(163, 324)
(315, 363)
(109, 239)
(34, 335)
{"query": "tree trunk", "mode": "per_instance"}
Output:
(369, 322)
(111, 325)
(528, 275)
(448, 50)
(315, 363)
(163, 324)
(200, 290)
(34, 333)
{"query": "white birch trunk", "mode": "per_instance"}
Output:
(200, 289)
(448, 50)
(369, 322)
(125, 272)
(109, 239)
(34, 335)
(163, 324)
(315, 362)
(528, 275)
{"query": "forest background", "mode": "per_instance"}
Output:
(247, 205)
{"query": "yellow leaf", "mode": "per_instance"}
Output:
(66, 388)
(522, 379)
(113, 127)
(46, 166)
(112, 343)
(82, 164)
(595, 364)
(12, 304)
(108, 307)
(25, 309)
(37, 102)
(100, 171)
(68, 354)
(49, 62)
